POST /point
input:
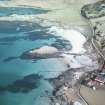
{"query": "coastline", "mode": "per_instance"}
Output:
(66, 85)
(90, 97)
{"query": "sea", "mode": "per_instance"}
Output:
(15, 38)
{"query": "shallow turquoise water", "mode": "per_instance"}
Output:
(15, 38)
(6, 11)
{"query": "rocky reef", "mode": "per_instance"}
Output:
(24, 85)
(96, 10)
(42, 53)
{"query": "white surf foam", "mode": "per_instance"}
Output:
(76, 38)
(77, 41)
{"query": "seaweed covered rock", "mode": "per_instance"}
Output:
(24, 85)
(96, 10)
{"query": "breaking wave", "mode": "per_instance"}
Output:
(77, 41)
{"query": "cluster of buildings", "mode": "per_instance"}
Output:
(94, 79)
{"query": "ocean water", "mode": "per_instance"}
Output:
(15, 38)
(7, 11)
(16, 74)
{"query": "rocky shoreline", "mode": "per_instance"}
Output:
(66, 88)
(61, 84)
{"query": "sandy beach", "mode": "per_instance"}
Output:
(93, 97)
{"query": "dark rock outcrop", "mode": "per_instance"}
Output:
(96, 10)
(41, 53)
